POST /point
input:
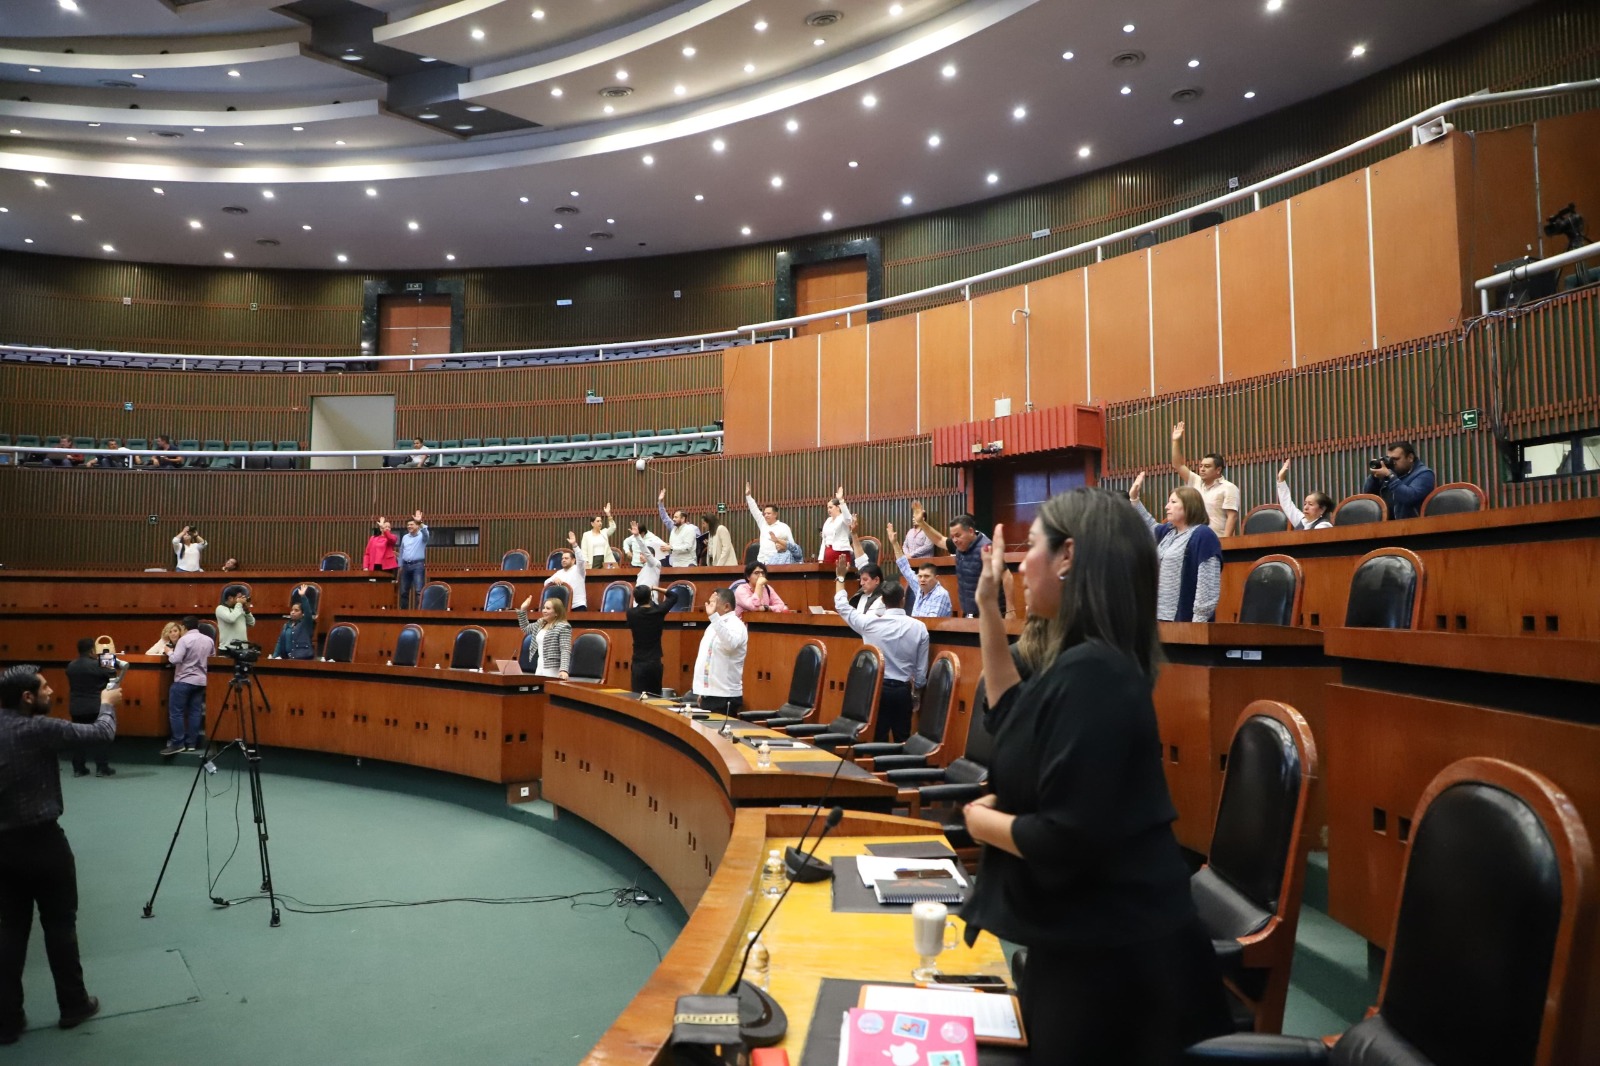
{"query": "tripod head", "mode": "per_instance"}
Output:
(243, 653)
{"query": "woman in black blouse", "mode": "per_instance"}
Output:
(1080, 864)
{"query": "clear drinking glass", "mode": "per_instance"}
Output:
(927, 937)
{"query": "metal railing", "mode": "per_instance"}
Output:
(1527, 270)
(1097, 245)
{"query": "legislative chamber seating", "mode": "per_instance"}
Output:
(468, 650)
(499, 596)
(618, 596)
(590, 652)
(1272, 592)
(805, 688)
(1359, 509)
(340, 644)
(435, 596)
(933, 718)
(1386, 591)
(1455, 497)
(1267, 518)
(858, 710)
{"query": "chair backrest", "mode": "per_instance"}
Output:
(408, 646)
(230, 588)
(1386, 590)
(937, 698)
(528, 653)
(515, 559)
(1272, 592)
(805, 683)
(972, 766)
(209, 629)
(1268, 518)
(340, 645)
(435, 596)
(618, 596)
(684, 596)
(312, 598)
(863, 683)
(556, 590)
(590, 651)
(1492, 938)
(1455, 497)
(335, 561)
(752, 551)
(553, 560)
(872, 548)
(467, 652)
(498, 598)
(1360, 509)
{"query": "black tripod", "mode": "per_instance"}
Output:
(240, 700)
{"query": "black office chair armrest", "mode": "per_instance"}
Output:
(1230, 956)
(801, 729)
(875, 749)
(829, 741)
(763, 716)
(1258, 1049)
(895, 762)
(956, 793)
(921, 775)
(781, 722)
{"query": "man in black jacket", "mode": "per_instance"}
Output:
(86, 680)
(645, 622)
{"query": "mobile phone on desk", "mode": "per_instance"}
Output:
(918, 875)
(972, 980)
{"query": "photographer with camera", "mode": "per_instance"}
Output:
(233, 617)
(1402, 480)
(87, 677)
(298, 639)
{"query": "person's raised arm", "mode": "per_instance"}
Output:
(999, 670)
(422, 526)
(661, 509)
(577, 556)
(1286, 498)
(844, 508)
(755, 508)
(60, 734)
(610, 528)
(732, 636)
(841, 596)
(1178, 462)
(919, 517)
(1133, 496)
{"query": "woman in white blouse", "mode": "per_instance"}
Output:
(836, 529)
(552, 636)
(1317, 511)
(188, 545)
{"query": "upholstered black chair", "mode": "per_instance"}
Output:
(752, 552)
(515, 559)
(335, 561)
(590, 651)
(1272, 592)
(528, 653)
(340, 644)
(311, 599)
(555, 590)
(467, 652)
(872, 548)
(963, 780)
(1386, 590)
(553, 560)
(499, 596)
(618, 596)
(1360, 509)
(1248, 893)
(858, 708)
(805, 688)
(209, 629)
(1268, 518)
(684, 596)
(1455, 497)
(938, 697)
(435, 596)
(230, 588)
(1491, 947)
(408, 646)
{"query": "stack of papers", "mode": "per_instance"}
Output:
(940, 880)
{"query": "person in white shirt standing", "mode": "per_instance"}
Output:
(571, 575)
(1318, 508)
(775, 535)
(904, 643)
(1221, 496)
(719, 665)
(188, 545)
(837, 530)
(682, 534)
(596, 548)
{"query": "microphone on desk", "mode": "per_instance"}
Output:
(800, 866)
(762, 1021)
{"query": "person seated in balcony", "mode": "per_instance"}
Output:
(1189, 556)
(69, 459)
(162, 443)
(115, 462)
(1315, 513)
(596, 544)
(419, 456)
(1401, 479)
(1221, 496)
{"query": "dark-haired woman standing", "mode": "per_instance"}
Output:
(1080, 864)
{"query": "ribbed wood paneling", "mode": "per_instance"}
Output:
(1538, 373)
(56, 518)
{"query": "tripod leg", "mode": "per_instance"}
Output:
(258, 801)
(199, 772)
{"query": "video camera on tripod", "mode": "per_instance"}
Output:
(243, 653)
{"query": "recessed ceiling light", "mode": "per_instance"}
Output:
(1358, 51)
(555, 90)
(718, 145)
(266, 194)
(27, 240)
(906, 199)
(611, 222)
(41, 183)
(1126, 89)
(1128, 28)
(227, 255)
(342, 258)
(1274, 5)
(1083, 153)
(427, 59)
(306, 226)
(1251, 95)
(19, 131)
(428, 116)
(236, 144)
(1067, 55)
(1019, 112)
(992, 179)
(827, 216)
(649, 160)
(34, 70)
(895, 10)
(869, 101)
(1193, 63)
(793, 125)
(745, 230)
(934, 141)
(853, 164)
(777, 181)
(608, 109)
(413, 226)
(523, 199)
(699, 196)
(537, 13)
(158, 190)
(352, 57)
(749, 68)
(588, 248)
(371, 191)
(233, 73)
(194, 223)
(558, 225)
(130, 137)
(477, 34)
(475, 108)
(450, 256)
(948, 70)
(76, 218)
(622, 75)
(107, 248)
(339, 143)
(5, 210)
(761, 25)
(1177, 122)
(95, 125)
(463, 127)
(574, 192)
(138, 76)
(679, 90)
(688, 51)
(817, 42)
(197, 129)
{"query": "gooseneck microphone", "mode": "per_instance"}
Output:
(800, 866)
(762, 1021)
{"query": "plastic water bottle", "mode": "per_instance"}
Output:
(760, 964)
(772, 877)
(764, 755)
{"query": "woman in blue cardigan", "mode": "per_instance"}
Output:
(1189, 556)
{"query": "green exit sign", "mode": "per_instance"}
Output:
(1469, 419)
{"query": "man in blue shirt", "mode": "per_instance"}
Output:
(904, 644)
(1401, 480)
(413, 561)
(966, 544)
(926, 597)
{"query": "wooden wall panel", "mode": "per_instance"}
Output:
(1417, 251)
(1119, 328)
(1257, 331)
(1500, 208)
(845, 387)
(896, 379)
(745, 381)
(1056, 329)
(1569, 170)
(999, 351)
(946, 366)
(1183, 299)
(795, 394)
(1332, 270)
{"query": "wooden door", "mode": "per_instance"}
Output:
(411, 324)
(825, 286)
(1016, 487)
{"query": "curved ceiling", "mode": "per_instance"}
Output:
(459, 133)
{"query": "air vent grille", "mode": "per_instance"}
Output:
(818, 19)
(235, 209)
(1131, 58)
(616, 92)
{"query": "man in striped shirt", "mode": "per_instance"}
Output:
(924, 595)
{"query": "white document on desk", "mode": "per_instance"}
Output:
(874, 868)
(994, 1017)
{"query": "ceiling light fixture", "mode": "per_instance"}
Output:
(948, 70)
(339, 143)
(718, 145)
(1177, 122)
(699, 196)
(194, 223)
(853, 164)
(895, 10)
(538, 13)
(1126, 90)
(27, 240)
(463, 127)
(793, 126)
(1019, 112)
(107, 248)
(96, 125)
(827, 216)
(558, 225)
(688, 51)
(1358, 51)
(761, 25)
(233, 73)
(477, 34)
(555, 90)
(906, 199)
(1128, 28)
(649, 160)
(1068, 55)
(342, 258)
(306, 227)
(128, 138)
(76, 218)
(41, 183)
(1251, 95)
(352, 57)
(1274, 5)
(428, 116)
(371, 191)
(34, 70)
(1083, 153)
(266, 194)
(236, 144)
(413, 226)
(678, 90)
(1193, 63)
(993, 179)
(227, 255)
(608, 109)
(749, 68)
(68, 5)
(611, 222)
(158, 190)
(588, 248)
(934, 141)
(19, 131)
(817, 42)
(475, 108)
(139, 77)
(869, 101)
(622, 75)
(744, 230)
(777, 181)
(574, 192)
(450, 257)
(295, 129)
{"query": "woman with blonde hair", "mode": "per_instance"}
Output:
(1190, 556)
(169, 639)
(552, 636)
(1079, 860)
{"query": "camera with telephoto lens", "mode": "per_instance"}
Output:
(1380, 462)
(241, 651)
(1569, 224)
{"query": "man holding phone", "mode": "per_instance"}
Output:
(87, 678)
